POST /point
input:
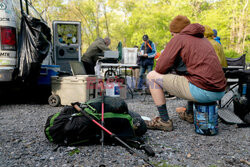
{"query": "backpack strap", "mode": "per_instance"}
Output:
(149, 45)
(90, 110)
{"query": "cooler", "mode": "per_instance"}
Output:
(46, 72)
(68, 89)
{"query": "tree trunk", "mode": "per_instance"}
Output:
(97, 19)
(242, 21)
(106, 20)
(86, 21)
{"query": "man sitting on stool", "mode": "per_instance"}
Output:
(199, 76)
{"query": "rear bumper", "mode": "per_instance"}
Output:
(6, 74)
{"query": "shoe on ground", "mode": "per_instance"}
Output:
(147, 91)
(158, 124)
(184, 115)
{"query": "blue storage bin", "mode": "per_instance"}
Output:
(206, 118)
(46, 72)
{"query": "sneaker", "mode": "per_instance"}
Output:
(158, 124)
(185, 116)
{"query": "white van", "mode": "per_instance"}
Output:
(10, 22)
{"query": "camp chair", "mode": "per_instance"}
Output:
(233, 64)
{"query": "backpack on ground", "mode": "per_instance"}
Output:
(69, 127)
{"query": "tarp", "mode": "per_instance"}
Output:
(33, 46)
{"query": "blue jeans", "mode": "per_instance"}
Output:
(142, 72)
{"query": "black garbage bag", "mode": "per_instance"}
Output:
(34, 45)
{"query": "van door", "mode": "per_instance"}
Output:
(66, 43)
(8, 41)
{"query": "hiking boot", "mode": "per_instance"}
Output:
(184, 115)
(158, 124)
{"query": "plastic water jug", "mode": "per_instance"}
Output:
(112, 89)
(206, 118)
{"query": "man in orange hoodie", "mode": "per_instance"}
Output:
(199, 76)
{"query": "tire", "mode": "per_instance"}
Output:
(54, 100)
(141, 127)
(110, 74)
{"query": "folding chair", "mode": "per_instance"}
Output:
(234, 64)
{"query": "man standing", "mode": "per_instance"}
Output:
(147, 54)
(93, 53)
(199, 76)
(216, 38)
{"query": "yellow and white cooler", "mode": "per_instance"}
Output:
(68, 89)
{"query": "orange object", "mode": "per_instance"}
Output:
(180, 109)
(157, 55)
(149, 45)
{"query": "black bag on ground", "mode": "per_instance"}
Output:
(69, 127)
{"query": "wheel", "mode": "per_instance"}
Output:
(54, 100)
(110, 74)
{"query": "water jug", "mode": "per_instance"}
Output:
(113, 89)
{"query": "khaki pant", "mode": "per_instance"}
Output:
(177, 85)
(136, 75)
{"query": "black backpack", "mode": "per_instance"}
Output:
(70, 127)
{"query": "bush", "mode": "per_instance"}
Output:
(231, 54)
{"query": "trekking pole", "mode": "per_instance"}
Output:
(102, 138)
(131, 150)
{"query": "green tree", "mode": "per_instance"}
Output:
(128, 20)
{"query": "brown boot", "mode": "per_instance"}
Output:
(158, 124)
(184, 115)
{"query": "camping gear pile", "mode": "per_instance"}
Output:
(98, 119)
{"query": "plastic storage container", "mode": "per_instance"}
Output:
(68, 89)
(129, 55)
(112, 89)
(111, 54)
(206, 118)
(46, 72)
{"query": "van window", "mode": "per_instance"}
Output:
(67, 33)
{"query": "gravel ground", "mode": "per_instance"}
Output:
(23, 143)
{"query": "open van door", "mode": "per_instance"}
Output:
(66, 43)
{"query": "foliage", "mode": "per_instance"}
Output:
(231, 54)
(128, 20)
(74, 151)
